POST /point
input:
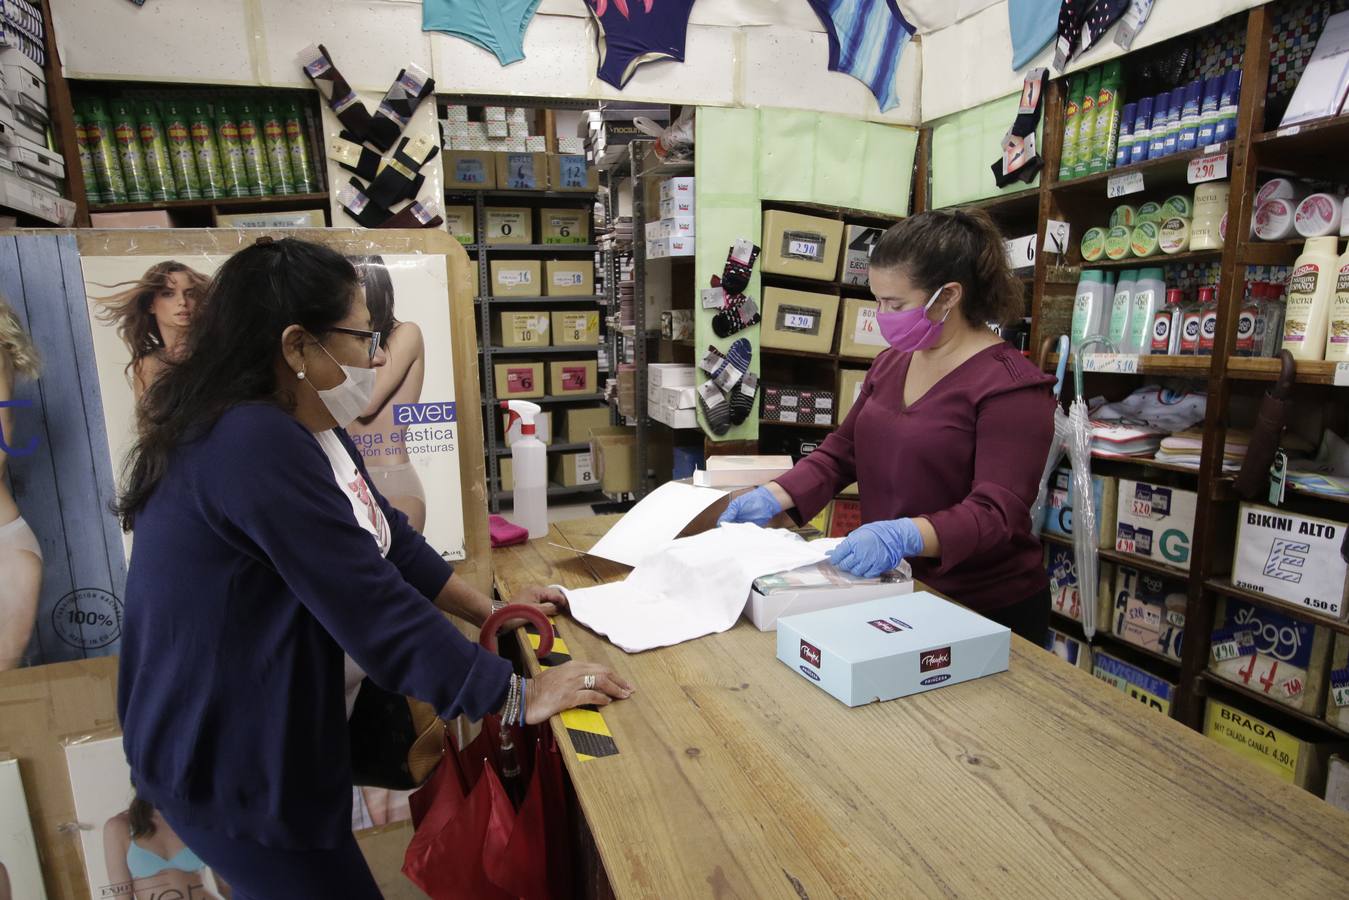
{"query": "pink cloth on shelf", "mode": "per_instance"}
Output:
(505, 534)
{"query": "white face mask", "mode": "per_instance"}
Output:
(348, 400)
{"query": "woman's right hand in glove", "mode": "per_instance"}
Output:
(757, 507)
(570, 685)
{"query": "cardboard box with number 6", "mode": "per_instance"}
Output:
(509, 225)
(798, 320)
(576, 327)
(518, 380)
(799, 245)
(1294, 559)
(573, 376)
(516, 277)
(860, 337)
(527, 328)
(1156, 522)
(565, 226)
(522, 171)
(569, 278)
(1270, 653)
(573, 469)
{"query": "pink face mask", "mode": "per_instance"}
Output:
(911, 330)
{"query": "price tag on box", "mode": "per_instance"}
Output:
(1116, 363)
(1207, 168)
(1339, 687)
(1122, 185)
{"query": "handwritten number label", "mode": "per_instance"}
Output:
(1116, 363)
(1121, 185)
(1207, 168)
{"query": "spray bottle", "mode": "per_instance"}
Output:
(529, 462)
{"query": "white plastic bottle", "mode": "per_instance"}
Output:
(1118, 331)
(1088, 306)
(1337, 332)
(529, 460)
(1310, 289)
(1149, 292)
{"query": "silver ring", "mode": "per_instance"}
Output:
(588, 682)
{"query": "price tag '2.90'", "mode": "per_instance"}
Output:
(1207, 168)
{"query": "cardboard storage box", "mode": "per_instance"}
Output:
(518, 380)
(516, 277)
(569, 278)
(1141, 685)
(1069, 649)
(802, 405)
(817, 587)
(571, 172)
(678, 397)
(862, 239)
(582, 419)
(801, 245)
(308, 218)
(576, 327)
(460, 222)
(1270, 653)
(1149, 611)
(149, 218)
(663, 248)
(506, 469)
(1292, 558)
(573, 469)
(543, 428)
(676, 207)
(1059, 506)
(527, 328)
(673, 417)
(565, 226)
(892, 647)
(849, 389)
(681, 186)
(1337, 691)
(672, 375)
(522, 171)
(1065, 595)
(1155, 522)
(573, 376)
(509, 225)
(676, 226)
(1278, 752)
(613, 455)
(798, 320)
(861, 336)
(470, 169)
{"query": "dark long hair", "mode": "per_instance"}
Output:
(232, 350)
(378, 286)
(964, 246)
(130, 308)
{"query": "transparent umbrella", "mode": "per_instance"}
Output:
(1084, 511)
(1057, 448)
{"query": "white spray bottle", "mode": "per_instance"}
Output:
(529, 462)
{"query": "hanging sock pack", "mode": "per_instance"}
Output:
(353, 198)
(398, 105)
(415, 215)
(1021, 160)
(347, 151)
(866, 40)
(631, 32)
(497, 26)
(1081, 24)
(335, 90)
(400, 177)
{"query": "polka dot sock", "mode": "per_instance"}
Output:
(742, 398)
(716, 411)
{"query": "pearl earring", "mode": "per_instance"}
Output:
(300, 375)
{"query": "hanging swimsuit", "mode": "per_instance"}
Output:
(144, 863)
(866, 38)
(631, 32)
(497, 26)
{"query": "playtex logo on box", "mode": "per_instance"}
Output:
(1156, 522)
(892, 647)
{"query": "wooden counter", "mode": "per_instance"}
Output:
(735, 777)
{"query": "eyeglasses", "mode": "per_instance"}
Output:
(372, 336)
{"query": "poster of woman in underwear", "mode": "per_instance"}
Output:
(152, 315)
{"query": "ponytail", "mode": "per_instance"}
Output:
(941, 246)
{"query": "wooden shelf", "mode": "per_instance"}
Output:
(1105, 635)
(1312, 149)
(570, 398)
(1246, 693)
(797, 283)
(1107, 462)
(1181, 366)
(1161, 259)
(1124, 559)
(230, 204)
(801, 354)
(1017, 204)
(1269, 253)
(1228, 589)
(809, 425)
(1254, 368)
(1159, 175)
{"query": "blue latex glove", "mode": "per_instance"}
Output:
(875, 549)
(757, 507)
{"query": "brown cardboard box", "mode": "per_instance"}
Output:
(506, 469)
(516, 277)
(518, 380)
(798, 320)
(860, 337)
(801, 245)
(573, 469)
(613, 456)
(471, 169)
(565, 226)
(569, 278)
(849, 386)
(522, 171)
(576, 327)
(581, 420)
(571, 172)
(527, 328)
(573, 376)
(459, 221)
(509, 225)
(149, 219)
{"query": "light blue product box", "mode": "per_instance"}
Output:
(892, 647)
(1059, 504)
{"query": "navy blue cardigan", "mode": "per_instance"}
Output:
(248, 580)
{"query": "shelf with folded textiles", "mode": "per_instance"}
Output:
(1147, 364)
(1309, 371)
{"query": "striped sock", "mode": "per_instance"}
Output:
(715, 409)
(742, 398)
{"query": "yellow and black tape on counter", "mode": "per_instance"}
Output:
(589, 733)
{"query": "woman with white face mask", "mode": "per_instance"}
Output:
(947, 438)
(268, 577)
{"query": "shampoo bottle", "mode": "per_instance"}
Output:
(1337, 333)
(1310, 289)
(529, 462)
(1088, 306)
(1118, 331)
(1148, 293)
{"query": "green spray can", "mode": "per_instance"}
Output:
(255, 154)
(1108, 105)
(91, 188)
(103, 151)
(182, 155)
(127, 140)
(156, 150)
(1086, 129)
(231, 151)
(278, 151)
(210, 171)
(1072, 118)
(301, 164)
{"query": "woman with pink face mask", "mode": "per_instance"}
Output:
(948, 436)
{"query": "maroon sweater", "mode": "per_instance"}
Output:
(968, 456)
